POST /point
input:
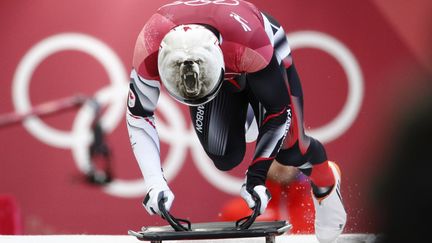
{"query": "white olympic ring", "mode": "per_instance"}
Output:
(175, 132)
(80, 137)
(47, 47)
(343, 121)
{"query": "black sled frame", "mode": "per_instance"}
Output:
(181, 229)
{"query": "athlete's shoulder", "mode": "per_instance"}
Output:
(240, 23)
(229, 17)
(147, 45)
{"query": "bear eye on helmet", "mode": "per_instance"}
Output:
(190, 64)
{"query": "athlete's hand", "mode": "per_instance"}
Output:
(260, 192)
(152, 198)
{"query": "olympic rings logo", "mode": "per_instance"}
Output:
(174, 132)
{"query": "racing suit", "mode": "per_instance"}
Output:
(259, 71)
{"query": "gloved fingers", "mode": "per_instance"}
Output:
(169, 198)
(247, 196)
(149, 204)
(264, 196)
(151, 201)
(151, 211)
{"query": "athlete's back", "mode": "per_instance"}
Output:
(244, 40)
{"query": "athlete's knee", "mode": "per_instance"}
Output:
(227, 161)
(291, 156)
(316, 153)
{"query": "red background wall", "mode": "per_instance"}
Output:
(387, 38)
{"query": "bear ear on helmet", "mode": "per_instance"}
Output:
(191, 64)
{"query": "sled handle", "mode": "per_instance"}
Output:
(176, 223)
(246, 222)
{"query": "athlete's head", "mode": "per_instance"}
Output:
(191, 64)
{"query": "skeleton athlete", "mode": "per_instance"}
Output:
(220, 58)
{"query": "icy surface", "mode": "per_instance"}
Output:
(347, 238)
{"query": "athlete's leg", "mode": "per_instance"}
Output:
(220, 127)
(309, 155)
(302, 150)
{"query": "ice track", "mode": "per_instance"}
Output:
(346, 238)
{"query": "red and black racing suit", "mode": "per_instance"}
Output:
(259, 71)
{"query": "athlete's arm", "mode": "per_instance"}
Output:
(143, 96)
(270, 87)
